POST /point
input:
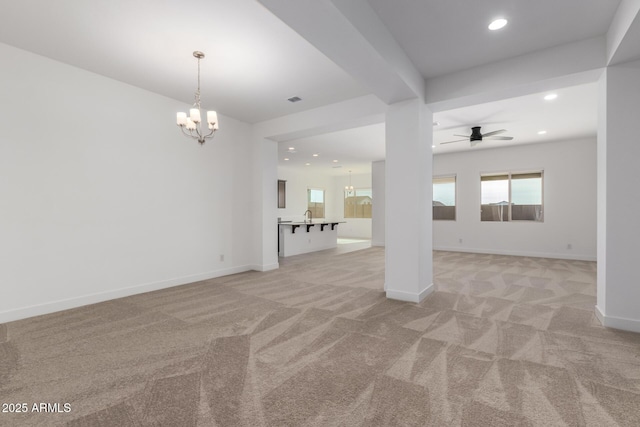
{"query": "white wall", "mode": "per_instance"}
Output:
(569, 201)
(296, 194)
(100, 194)
(297, 184)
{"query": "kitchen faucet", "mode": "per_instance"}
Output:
(310, 215)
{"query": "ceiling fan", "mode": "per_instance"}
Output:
(476, 136)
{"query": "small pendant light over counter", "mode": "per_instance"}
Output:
(349, 188)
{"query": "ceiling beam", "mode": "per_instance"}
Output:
(565, 65)
(351, 34)
(355, 112)
(623, 37)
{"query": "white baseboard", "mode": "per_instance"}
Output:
(266, 267)
(66, 304)
(621, 323)
(408, 296)
(576, 257)
(377, 243)
(599, 315)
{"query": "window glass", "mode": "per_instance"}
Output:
(444, 198)
(526, 197)
(511, 197)
(315, 202)
(358, 203)
(494, 198)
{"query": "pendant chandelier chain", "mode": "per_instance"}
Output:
(197, 103)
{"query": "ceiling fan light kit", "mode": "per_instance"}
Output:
(475, 134)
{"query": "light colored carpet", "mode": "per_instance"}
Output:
(504, 341)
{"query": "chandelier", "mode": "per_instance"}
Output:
(349, 188)
(192, 126)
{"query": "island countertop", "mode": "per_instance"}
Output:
(313, 221)
(321, 222)
(298, 237)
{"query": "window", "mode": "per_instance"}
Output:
(494, 198)
(282, 193)
(357, 203)
(511, 197)
(444, 197)
(315, 202)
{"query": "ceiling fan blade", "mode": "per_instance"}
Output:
(495, 132)
(464, 136)
(457, 140)
(502, 138)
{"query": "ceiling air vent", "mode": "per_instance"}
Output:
(294, 99)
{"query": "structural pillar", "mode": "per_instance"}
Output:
(408, 176)
(618, 289)
(263, 204)
(378, 209)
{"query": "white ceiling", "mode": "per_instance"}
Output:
(354, 149)
(445, 36)
(572, 115)
(253, 63)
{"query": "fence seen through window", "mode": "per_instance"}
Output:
(315, 202)
(358, 203)
(444, 198)
(511, 197)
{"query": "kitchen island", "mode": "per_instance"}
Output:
(307, 236)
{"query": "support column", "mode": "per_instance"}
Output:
(618, 290)
(378, 209)
(264, 204)
(408, 172)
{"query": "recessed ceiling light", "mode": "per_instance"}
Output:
(542, 132)
(294, 99)
(286, 159)
(292, 148)
(436, 123)
(433, 146)
(497, 24)
(315, 154)
(550, 97)
(307, 164)
(335, 161)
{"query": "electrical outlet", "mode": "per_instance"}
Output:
(459, 240)
(569, 246)
(221, 257)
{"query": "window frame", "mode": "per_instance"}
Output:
(355, 194)
(324, 202)
(509, 175)
(455, 189)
